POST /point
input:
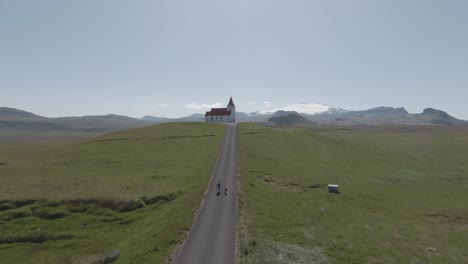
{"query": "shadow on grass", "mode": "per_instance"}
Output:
(51, 210)
(103, 258)
(39, 238)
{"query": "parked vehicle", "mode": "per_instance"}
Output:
(333, 188)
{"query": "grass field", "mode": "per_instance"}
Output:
(20, 137)
(130, 194)
(404, 195)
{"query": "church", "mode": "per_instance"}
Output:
(226, 115)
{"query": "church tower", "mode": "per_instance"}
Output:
(231, 107)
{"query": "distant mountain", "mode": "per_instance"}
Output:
(282, 113)
(328, 115)
(436, 117)
(242, 117)
(192, 118)
(376, 115)
(12, 114)
(288, 119)
(14, 121)
(303, 108)
(155, 119)
(101, 123)
(386, 115)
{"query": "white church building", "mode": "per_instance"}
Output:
(226, 115)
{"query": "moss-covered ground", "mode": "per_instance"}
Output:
(404, 195)
(127, 197)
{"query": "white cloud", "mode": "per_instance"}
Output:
(203, 106)
(267, 102)
(250, 103)
(163, 105)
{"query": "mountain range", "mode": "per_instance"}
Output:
(21, 125)
(384, 116)
(14, 120)
(303, 108)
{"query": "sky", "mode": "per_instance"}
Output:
(174, 58)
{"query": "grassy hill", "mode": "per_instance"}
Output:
(287, 119)
(131, 193)
(404, 193)
(12, 114)
(17, 125)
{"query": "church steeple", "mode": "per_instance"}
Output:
(231, 107)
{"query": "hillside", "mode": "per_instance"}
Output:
(403, 194)
(436, 117)
(103, 123)
(156, 119)
(131, 193)
(303, 108)
(190, 118)
(288, 119)
(322, 114)
(12, 114)
(20, 125)
(386, 116)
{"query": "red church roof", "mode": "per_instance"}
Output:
(218, 112)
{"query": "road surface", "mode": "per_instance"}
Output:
(213, 237)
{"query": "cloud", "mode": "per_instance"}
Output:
(163, 105)
(203, 106)
(267, 102)
(250, 103)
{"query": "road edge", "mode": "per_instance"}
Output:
(238, 206)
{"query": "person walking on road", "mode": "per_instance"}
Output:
(218, 187)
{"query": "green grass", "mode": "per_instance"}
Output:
(11, 136)
(404, 195)
(132, 193)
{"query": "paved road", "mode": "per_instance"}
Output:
(213, 237)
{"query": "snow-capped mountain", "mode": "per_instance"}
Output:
(302, 108)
